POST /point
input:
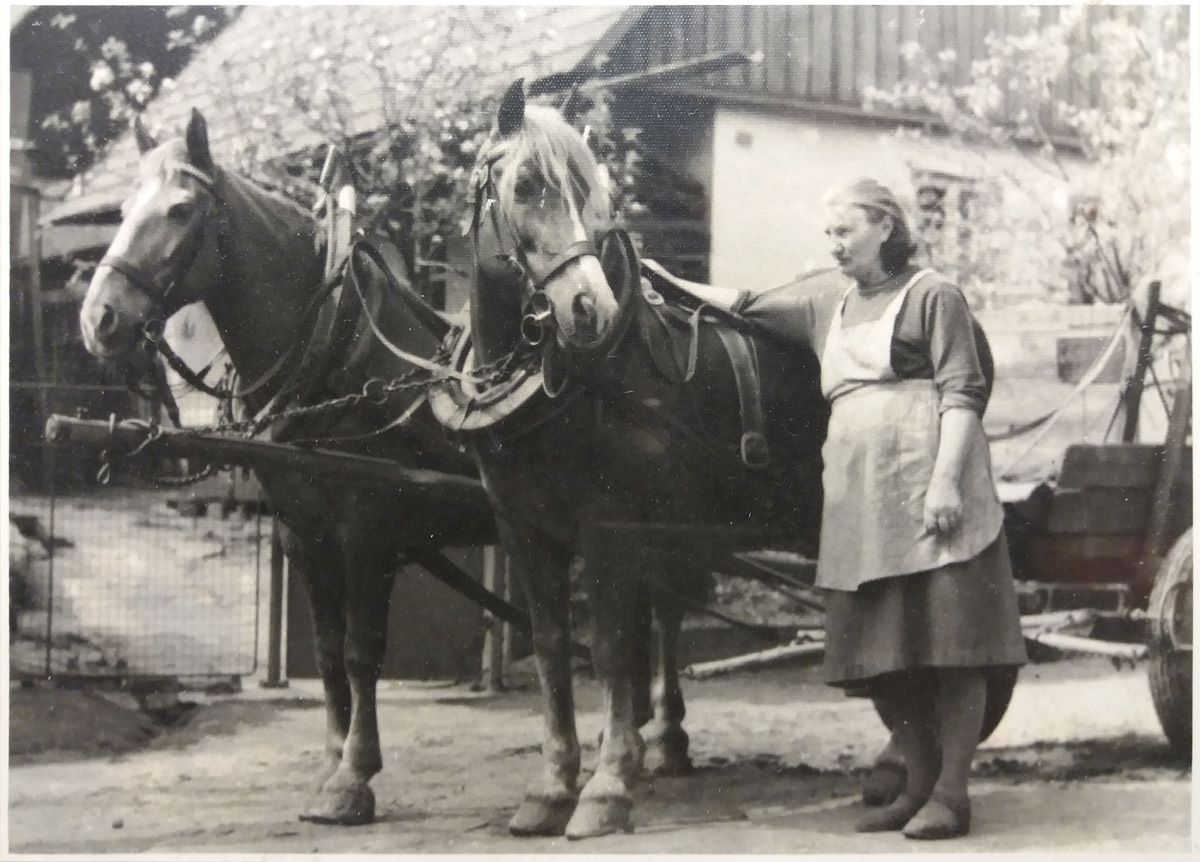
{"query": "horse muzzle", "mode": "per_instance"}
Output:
(109, 328)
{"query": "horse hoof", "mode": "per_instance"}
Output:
(540, 816)
(666, 761)
(353, 805)
(666, 751)
(884, 783)
(601, 816)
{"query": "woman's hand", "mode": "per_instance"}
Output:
(943, 507)
(943, 501)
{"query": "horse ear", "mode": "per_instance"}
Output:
(512, 109)
(145, 140)
(197, 142)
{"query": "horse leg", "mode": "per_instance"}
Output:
(346, 797)
(666, 740)
(317, 567)
(550, 800)
(642, 644)
(606, 803)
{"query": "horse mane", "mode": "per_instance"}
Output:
(268, 205)
(560, 153)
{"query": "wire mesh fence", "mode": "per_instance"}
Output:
(134, 580)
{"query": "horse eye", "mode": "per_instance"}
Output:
(180, 211)
(525, 187)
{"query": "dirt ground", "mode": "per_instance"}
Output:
(137, 587)
(1078, 764)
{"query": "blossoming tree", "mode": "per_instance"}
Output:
(1077, 134)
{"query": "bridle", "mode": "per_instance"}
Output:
(181, 258)
(177, 263)
(538, 319)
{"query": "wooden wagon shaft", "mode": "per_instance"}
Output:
(756, 660)
(1043, 628)
(259, 454)
(1073, 643)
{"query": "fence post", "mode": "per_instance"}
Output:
(275, 613)
(52, 474)
(494, 579)
(507, 628)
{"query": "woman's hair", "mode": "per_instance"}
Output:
(897, 250)
(877, 200)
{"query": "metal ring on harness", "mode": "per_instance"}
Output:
(537, 324)
(153, 329)
(756, 454)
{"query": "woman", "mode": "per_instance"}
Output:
(920, 601)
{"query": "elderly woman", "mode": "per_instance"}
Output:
(920, 601)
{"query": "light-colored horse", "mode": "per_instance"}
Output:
(631, 447)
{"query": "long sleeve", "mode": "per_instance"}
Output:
(794, 312)
(951, 331)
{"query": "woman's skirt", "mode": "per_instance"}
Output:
(960, 615)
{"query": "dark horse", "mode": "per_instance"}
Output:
(192, 232)
(621, 450)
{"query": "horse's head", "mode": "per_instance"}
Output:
(164, 252)
(541, 199)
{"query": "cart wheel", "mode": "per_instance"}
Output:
(1000, 684)
(1170, 614)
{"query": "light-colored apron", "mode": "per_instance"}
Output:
(879, 455)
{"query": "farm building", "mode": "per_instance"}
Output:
(768, 136)
(742, 155)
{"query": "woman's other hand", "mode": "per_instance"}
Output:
(943, 507)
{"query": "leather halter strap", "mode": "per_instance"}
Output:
(487, 197)
(144, 280)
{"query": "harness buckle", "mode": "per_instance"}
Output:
(153, 329)
(755, 453)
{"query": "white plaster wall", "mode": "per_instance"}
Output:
(770, 171)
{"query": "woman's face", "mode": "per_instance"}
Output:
(855, 242)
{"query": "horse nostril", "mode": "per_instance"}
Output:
(584, 308)
(108, 321)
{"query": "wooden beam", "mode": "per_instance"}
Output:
(1133, 396)
(756, 660)
(1091, 646)
(1172, 472)
(672, 72)
(320, 464)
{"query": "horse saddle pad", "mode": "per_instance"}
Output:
(671, 323)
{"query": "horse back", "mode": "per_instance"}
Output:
(684, 365)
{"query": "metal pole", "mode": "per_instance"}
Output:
(506, 651)
(52, 471)
(1133, 396)
(493, 635)
(275, 613)
(41, 362)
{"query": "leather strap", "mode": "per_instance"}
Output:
(743, 360)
